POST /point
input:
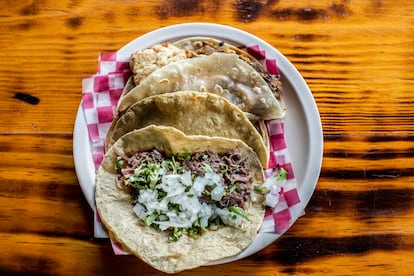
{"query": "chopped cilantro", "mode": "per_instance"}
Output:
(238, 211)
(281, 174)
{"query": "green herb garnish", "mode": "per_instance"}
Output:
(281, 174)
(238, 211)
(119, 162)
(208, 169)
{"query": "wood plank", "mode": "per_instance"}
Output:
(348, 196)
(39, 191)
(359, 68)
(367, 157)
(61, 256)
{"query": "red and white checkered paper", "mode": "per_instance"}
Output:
(100, 94)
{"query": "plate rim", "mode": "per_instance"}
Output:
(169, 33)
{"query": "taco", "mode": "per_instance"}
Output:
(145, 61)
(223, 74)
(194, 113)
(177, 201)
(198, 46)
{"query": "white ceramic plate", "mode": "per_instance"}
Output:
(303, 127)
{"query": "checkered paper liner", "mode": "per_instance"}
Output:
(100, 94)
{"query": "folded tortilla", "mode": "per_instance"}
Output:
(224, 74)
(194, 113)
(145, 61)
(116, 211)
(196, 46)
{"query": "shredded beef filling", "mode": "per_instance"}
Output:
(234, 169)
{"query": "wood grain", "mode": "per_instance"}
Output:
(357, 58)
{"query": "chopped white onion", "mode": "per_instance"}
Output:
(217, 193)
(140, 211)
(253, 196)
(146, 196)
(161, 206)
(171, 184)
(272, 199)
(205, 213)
(275, 189)
(199, 185)
(269, 182)
(186, 178)
(212, 178)
(229, 218)
(272, 190)
(190, 208)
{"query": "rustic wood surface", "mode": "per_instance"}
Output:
(357, 58)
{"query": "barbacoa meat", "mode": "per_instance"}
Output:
(236, 179)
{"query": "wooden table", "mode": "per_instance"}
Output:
(357, 58)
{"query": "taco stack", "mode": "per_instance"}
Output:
(185, 150)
